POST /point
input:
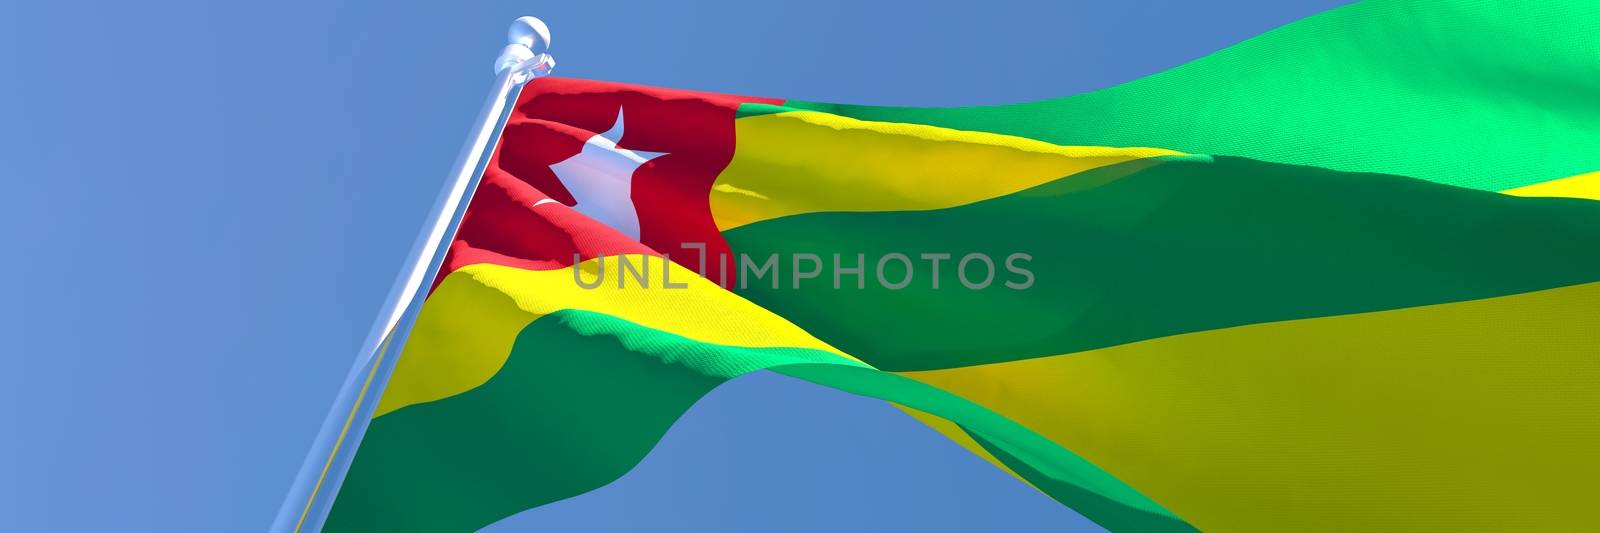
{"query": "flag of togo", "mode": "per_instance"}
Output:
(1334, 293)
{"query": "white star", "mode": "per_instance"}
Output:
(600, 178)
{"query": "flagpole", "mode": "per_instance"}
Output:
(523, 59)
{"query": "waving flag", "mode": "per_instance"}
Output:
(1343, 276)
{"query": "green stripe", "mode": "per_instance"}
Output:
(756, 109)
(581, 399)
(1057, 472)
(1483, 94)
(1138, 251)
(1087, 502)
(584, 396)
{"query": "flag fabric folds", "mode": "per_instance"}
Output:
(1342, 276)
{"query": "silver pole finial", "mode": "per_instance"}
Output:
(530, 32)
(527, 53)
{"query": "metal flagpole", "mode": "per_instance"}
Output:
(524, 58)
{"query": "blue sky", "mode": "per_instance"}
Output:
(206, 203)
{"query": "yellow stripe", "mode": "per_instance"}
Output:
(806, 161)
(1477, 415)
(467, 326)
(1580, 186)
